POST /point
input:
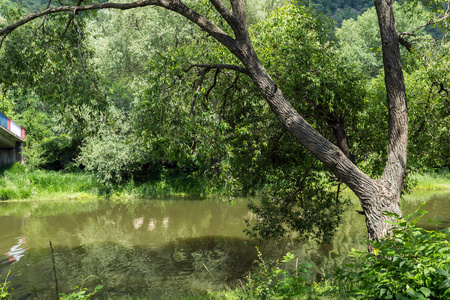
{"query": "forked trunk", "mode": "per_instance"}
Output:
(375, 205)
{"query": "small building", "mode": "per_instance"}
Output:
(12, 139)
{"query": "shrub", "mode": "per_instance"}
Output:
(413, 263)
(269, 282)
(110, 157)
(4, 294)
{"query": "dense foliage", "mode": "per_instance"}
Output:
(413, 263)
(253, 152)
(339, 10)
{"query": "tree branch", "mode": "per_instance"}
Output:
(43, 21)
(223, 11)
(69, 21)
(80, 32)
(219, 66)
(213, 84)
(174, 5)
(240, 26)
(234, 84)
(404, 36)
(405, 43)
(238, 10)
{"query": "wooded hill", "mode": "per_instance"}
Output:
(340, 9)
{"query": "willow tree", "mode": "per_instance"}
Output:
(376, 196)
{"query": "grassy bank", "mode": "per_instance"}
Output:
(17, 182)
(433, 180)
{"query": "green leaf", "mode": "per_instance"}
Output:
(442, 250)
(445, 283)
(307, 265)
(443, 272)
(411, 292)
(425, 291)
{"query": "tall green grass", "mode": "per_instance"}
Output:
(432, 180)
(17, 182)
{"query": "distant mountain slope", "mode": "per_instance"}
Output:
(32, 5)
(339, 9)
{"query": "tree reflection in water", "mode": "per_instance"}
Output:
(156, 249)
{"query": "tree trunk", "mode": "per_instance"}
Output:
(376, 196)
(379, 200)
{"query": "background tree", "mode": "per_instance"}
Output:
(45, 70)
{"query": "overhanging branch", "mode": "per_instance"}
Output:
(70, 20)
(173, 5)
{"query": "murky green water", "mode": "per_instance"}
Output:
(154, 248)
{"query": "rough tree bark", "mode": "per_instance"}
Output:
(376, 196)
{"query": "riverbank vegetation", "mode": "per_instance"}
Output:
(17, 182)
(20, 183)
(411, 264)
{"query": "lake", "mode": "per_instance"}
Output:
(157, 248)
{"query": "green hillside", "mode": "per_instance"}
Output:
(340, 9)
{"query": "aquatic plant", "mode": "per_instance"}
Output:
(81, 293)
(4, 294)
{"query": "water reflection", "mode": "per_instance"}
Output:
(437, 205)
(138, 223)
(156, 249)
(17, 251)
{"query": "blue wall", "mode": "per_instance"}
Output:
(3, 121)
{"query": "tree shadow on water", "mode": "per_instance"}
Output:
(177, 269)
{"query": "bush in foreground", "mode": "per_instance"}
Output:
(413, 263)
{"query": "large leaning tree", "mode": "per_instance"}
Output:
(377, 196)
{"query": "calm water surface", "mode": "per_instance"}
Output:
(155, 248)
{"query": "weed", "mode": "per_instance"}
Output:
(81, 293)
(275, 281)
(4, 294)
